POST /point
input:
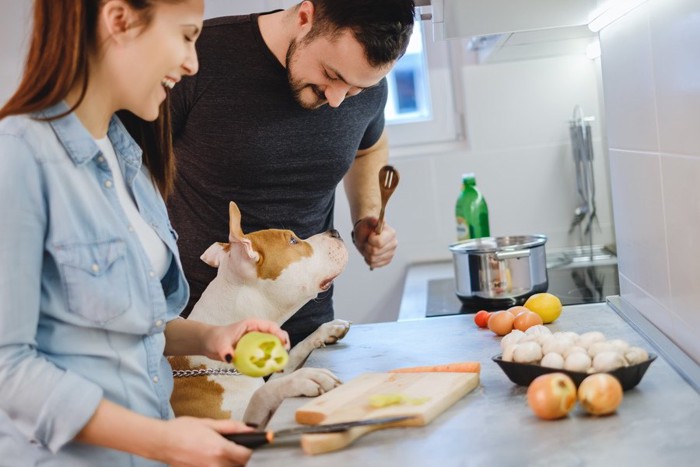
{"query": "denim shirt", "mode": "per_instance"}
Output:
(82, 314)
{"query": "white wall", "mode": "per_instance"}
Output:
(15, 21)
(651, 71)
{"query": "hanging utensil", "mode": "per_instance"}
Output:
(388, 179)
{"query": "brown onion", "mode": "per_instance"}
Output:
(551, 396)
(600, 394)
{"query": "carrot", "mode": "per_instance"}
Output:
(457, 367)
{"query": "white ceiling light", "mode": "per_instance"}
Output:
(611, 11)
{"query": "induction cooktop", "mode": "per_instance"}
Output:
(573, 286)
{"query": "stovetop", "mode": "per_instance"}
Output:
(573, 286)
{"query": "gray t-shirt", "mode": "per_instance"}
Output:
(240, 136)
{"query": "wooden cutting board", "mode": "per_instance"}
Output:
(351, 402)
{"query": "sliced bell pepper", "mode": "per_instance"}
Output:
(259, 354)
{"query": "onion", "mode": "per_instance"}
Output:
(551, 396)
(600, 394)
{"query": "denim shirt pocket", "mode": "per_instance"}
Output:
(95, 277)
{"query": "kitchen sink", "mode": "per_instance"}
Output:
(581, 256)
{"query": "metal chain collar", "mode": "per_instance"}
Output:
(206, 372)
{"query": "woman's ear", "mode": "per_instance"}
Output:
(119, 19)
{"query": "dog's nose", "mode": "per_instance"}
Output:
(334, 233)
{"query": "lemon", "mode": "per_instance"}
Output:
(546, 305)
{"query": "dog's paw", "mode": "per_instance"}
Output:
(311, 382)
(331, 332)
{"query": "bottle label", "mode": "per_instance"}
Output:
(462, 229)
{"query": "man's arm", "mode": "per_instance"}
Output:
(362, 189)
(362, 182)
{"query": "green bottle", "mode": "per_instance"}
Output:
(471, 211)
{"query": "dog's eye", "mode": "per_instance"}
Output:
(293, 241)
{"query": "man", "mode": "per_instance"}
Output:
(285, 106)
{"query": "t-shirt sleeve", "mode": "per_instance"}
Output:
(375, 128)
(181, 101)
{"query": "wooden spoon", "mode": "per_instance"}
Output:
(388, 179)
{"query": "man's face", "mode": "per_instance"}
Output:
(326, 71)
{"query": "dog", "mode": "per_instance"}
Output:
(266, 274)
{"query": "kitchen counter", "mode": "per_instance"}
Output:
(654, 426)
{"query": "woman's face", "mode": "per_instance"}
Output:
(156, 57)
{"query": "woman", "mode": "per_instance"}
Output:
(90, 278)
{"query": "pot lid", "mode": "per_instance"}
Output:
(493, 244)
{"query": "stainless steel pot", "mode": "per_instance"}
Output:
(498, 272)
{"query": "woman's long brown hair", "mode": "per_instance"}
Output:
(63, 35)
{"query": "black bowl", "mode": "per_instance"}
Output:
(524, 373)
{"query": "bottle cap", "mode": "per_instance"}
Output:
(469, 177)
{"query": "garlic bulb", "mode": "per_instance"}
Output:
(553, 360)
(608, 361)
(577, 361)
(528, 352)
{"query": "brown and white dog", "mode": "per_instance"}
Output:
(266, 274)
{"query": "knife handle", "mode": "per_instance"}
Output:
(249, 439)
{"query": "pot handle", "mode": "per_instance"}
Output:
(501, 255)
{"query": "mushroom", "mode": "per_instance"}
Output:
(528, 352)
(608, 361)
(553, 360)
(577, 361)
(587, 338)
(636, 355)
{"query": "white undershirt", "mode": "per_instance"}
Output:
(156, 250)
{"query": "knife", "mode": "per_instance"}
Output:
(254, 439)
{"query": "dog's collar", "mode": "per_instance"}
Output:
(206, 372)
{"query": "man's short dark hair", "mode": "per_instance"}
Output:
(382, 27)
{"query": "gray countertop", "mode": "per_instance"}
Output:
(656, 425)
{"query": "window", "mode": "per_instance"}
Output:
(422, 107)
(409, 92)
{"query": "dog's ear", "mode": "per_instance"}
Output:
(235, 233)
(234, 222)
(214, 253)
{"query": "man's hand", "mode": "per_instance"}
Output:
(377, 250)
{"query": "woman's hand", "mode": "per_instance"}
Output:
(221, 340)
(194, 442)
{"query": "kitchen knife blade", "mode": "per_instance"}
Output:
(254, 439)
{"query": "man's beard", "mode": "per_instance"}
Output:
(297, 87)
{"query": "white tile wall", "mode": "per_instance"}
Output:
(651, 75)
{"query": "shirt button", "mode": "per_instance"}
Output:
(156, 379)
(108, 183)
(151, 273)
(101, 159)
(95, 267)
(159, 323)
(130, 228)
